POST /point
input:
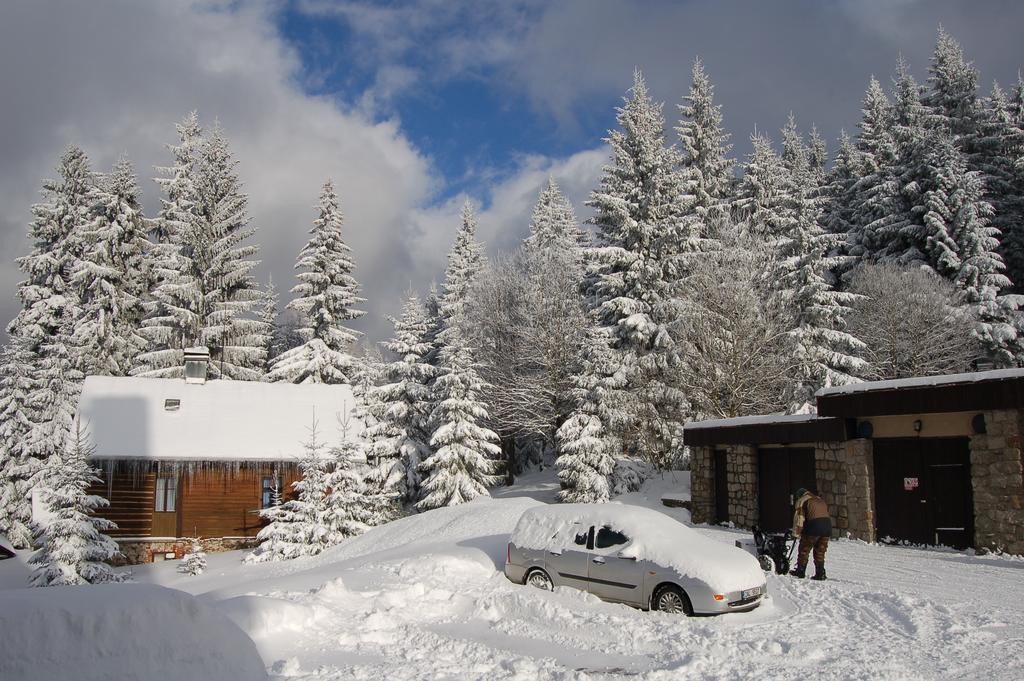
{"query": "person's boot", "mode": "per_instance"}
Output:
(819, 572)
(799, 571)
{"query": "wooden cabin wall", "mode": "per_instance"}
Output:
(212, 502)
(220, 502)
(131, 502)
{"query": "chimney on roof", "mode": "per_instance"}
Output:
(197, 362)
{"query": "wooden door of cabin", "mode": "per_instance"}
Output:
(165, 507)
(923, 491)
(780, 473)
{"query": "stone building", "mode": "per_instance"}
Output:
(927, 460)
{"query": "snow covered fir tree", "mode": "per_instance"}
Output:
(635, 269)
(325, 299)
(111, 277)
(194, 562)
(203, 292)
(462, 462)
(300, 526)
(398, 441)
(72, 548)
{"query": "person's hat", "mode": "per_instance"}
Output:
(799, 492)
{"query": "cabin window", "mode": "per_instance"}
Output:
(166, 494)
(270, 484)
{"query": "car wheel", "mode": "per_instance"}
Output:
(671, 599)
(539, 579)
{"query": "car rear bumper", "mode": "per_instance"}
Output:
(515, 573)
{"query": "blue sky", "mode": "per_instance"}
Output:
(453, 72)
(470, 125)
(414, 106)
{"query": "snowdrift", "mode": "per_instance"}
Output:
(120, 631)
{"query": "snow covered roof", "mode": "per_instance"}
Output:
(738, 421)
(977, 391)
(170, 420)
(923, 382)
(771, 428)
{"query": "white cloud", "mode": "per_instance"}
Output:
(116, 76)
(504, 222)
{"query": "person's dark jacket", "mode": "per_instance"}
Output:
(811, 516)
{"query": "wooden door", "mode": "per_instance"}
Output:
(923, 491)
(802, 473)
(721, 487)
(780, 473)
(165, 507)
(950, 497)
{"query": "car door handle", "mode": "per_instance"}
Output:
(599, 559)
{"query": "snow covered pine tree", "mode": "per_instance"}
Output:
(299, 526)
(111, 277)
(462, 465)
(643, 244)
(326, 294)
(72, 548)
(398, 439)
(203, 288)
(194, 562)
(18, 469)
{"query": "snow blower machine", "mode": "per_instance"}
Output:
(772, 549)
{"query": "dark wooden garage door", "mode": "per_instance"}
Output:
(780, 473)
(923, 491)
(721, 487)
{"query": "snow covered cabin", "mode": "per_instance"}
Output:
(185, 457)
(935, 460)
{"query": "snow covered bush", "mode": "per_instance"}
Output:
(734, 336)
(911, 322)
(194, 562)
(629, 475)
(71, 548)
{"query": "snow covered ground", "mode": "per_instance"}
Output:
(425, 598)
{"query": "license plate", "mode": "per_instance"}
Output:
(750, 593)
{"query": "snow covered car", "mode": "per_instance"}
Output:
(632, 555)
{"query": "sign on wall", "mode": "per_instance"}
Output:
(910, 484)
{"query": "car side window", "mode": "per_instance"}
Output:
(607, 538)
(581, 537)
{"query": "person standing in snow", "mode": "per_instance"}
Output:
(812, 523)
